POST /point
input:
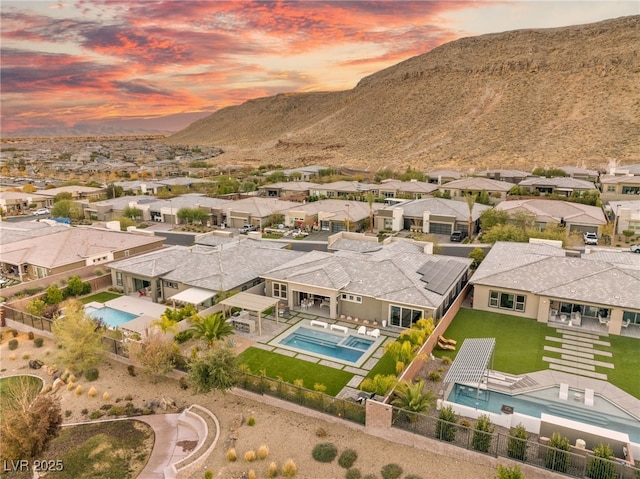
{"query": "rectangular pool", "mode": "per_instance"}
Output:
(109, 316)
(320, 342)
(603, 413)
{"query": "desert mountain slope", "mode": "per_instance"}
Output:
(516, 99)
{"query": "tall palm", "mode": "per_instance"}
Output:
(211, 328)
(370, 199)
(412, 397)
(471, 200)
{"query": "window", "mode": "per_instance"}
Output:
(170, 284)
(611, 189)
(631, 190)
(118, 278)
(631, 316)
(126, 253)
(388, 224)
(351, 297)
(510, 301)
(403, 317)
(280, 290)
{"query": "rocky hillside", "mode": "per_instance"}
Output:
(518, 99)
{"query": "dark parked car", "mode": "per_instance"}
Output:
(457, 236)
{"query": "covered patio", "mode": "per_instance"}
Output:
(195, 296)
(251, 303)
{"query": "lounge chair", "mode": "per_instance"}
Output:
(444, 340)
(564, 392)
(625, 323)
(374, 333)
(362, 330)
(603, 320)
(446, 347)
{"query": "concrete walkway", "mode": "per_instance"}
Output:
(172, 443)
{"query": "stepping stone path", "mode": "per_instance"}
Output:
(580, 353)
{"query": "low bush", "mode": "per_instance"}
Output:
(252, 474)
(434, 376)
(272, 470)
(117, 411)
(231, 455)
(131, 370)
(509, 472)
(412, 476)
(391, 471)
(324, 452)
(557, 458)
(250, 455)
(353, 474)
(13, 344)
(482, 434)
(71, 386)
(183, 336)
(95, 415)
(14, 332)
(84, 412)
(446, 426)
(25, 356)
(263, 452)
(93, 392)
(517, 444)
(251, 421)
(31, 335)
(91, 374)
(38, 342)
(105, 396)
(289, 468)
(79, 390)
(347, 458)
(602, 465)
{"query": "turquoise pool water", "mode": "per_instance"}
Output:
(533, 403)
(326, 344)
(109, 316)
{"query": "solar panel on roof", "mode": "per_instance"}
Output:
(439, 275)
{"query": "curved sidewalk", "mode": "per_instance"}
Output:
(168, 447)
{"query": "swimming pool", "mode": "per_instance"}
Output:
(603, 413)
(323, 343)
(109, 316)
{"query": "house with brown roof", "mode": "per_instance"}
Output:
(623, 187)
(497, 190)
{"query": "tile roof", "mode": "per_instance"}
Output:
(478, 184)
(440, 206)
(555, 210)
(545, 270)
(559, 182)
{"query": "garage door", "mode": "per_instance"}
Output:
(440, 228)
(582, 229)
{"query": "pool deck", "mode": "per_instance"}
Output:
(271, 330)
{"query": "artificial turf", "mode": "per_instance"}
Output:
(102, 297)
(289, 369)
(520, 346)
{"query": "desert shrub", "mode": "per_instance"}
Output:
(68, 413)
(412, 476)
(105, 396)
(517, 445)
(13, 344)
(465, 423)
(482, 434)
(601, 465)
(324, 452)
(183, 336)
(84, 412)
(38, 342)
(446, 427)
(117, 411)
(509, 472)
(208, 475)
(321, 432)
(96, 415)
(231, 455)
(128, 397)
(12, 357)
(250, 455)
(25, 356)
(91, 374)
(391, 471)
(72, 378)
(93, 392)
(272, 470)
(252, 474)
(184, 384)
(131, 370)
(289, 468)
(47, 389)
(557, 458)
(318, 387)
(251, 421)
(353, 474)
(70, 386)
(14, 332)
(370, 476)
(31, 335)
(263, 452)
(347, 458)
(79, 390)
(434, 376)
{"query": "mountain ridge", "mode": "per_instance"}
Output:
(522, 98)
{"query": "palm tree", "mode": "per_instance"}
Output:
(211, 328)
(471, 200)
(370, 199)
(411, 397)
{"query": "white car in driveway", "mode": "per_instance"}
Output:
(41, 211)
(635, 248)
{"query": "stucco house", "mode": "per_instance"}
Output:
(626, 215)
(560, 186)
(575, 216)
(544, 283)
(396, 284)
(497, 190)
(623, 187)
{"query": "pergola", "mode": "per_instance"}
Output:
(252, 302)
(472, 362)
(193, 296)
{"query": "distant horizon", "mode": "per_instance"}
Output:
(149, 68)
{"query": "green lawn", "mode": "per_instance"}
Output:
(100, 297)
(290, 369)
(520, 343)
(385, 366)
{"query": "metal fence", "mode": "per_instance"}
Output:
(37, 322)
(503, 445)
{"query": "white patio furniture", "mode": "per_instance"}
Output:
(362, 330)
(564, 391)
(626, 323)
(588, 397)
(603, 320)
(374, 333)
(320, 324)
(337, 327)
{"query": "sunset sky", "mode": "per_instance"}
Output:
(85, 62)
